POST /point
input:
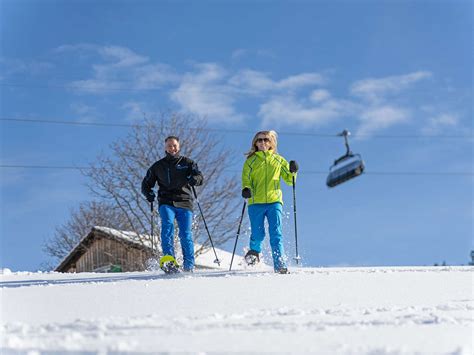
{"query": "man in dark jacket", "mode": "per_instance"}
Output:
(175, 175)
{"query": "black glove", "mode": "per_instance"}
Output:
(150, 196)
(192, 181)
(246, 193)
(293, 166)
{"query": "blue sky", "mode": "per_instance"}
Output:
(398, 74)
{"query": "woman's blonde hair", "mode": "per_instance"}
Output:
(272, 135)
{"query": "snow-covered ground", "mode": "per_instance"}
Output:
(373, 310)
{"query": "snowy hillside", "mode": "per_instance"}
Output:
(408, 310)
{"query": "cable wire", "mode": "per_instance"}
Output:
(309, 134)
(303, 172)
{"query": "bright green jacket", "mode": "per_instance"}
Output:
(261, 174)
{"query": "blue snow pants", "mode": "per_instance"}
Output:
(273, 212)
(184, 217)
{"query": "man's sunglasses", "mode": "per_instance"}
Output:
(259, 140)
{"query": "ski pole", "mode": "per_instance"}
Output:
(238, 233)
(297, 258)
(152, 228)
(217, 261)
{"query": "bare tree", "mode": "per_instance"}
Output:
(82, 219)
(115, 180)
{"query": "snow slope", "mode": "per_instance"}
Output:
(426, 310)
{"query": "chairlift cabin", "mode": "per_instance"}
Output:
(348, 166)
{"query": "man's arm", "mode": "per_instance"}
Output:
(195, 178)
(148, 183)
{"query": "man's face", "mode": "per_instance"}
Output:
(172, 146)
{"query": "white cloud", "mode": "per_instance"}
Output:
(320, 95)
(155, 75)
(376, 89)
(206, 94)
(258, 83)
(121, 56)
(212, 91)
(207, 73)
(209, 90)
(380, 112)
(252, 82)
(377, 118)
(119, 68)
(288, 110)
(440, 123)
(300, 80)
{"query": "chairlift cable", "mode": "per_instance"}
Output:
(300, 173)
(290, 133)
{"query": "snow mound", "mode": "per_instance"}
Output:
(5, 271)
(424, 310)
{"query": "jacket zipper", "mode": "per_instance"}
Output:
(266, 179)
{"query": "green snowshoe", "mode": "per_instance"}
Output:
(169, 264)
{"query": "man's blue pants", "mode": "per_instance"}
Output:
(184, 217)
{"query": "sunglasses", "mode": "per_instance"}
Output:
(260, 140)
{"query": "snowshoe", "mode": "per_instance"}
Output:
(169, 265)
(252, 258)
(282, 270)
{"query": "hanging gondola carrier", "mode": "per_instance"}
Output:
(346, 167)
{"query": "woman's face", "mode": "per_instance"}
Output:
(263, 142)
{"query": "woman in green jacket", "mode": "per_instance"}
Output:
(261, 175)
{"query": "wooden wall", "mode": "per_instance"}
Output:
(103, 252)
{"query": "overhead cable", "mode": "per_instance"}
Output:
(303, 172)
(310, 134)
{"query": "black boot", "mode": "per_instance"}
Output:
(252, 257)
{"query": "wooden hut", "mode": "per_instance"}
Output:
(108, 250)
(104, 250)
